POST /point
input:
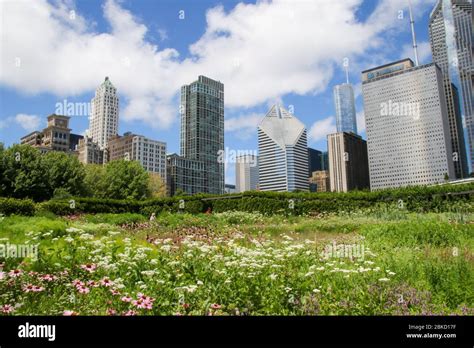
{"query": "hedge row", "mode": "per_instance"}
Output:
(436, 198)
(10, 206)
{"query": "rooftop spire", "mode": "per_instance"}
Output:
(412, 23)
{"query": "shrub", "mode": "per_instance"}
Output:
(9, 206)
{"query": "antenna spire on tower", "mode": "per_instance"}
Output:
(412, 24)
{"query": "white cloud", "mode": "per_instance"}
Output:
(424, 52)
(260, 51)
(28, 122)
(163, 34)
(244, 126)
(320, 129)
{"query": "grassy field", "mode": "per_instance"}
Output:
(377, 262)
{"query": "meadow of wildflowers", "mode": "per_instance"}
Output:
(238, 263)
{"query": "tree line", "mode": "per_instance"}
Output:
(27, 173)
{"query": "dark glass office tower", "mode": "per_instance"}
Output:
(202, 129)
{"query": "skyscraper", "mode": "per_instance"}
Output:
(314, 161)
(246, 173)
(185, 175)
(345, 108)
(450, 29)
(150, 153)
(105, 113)
(348, 167)
(407, 126)
(202, 129)
(283, 152)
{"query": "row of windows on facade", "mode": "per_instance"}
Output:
(60, 135)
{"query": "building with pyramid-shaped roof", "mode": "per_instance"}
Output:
(283, 151)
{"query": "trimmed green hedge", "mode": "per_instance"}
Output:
(417, 199)
(10, 206)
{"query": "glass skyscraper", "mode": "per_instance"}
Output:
(202, 129)
(345, 108)
(451, 44)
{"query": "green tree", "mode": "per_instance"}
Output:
(94, 180)
(125, 180)
(24, 175)
(156, 186)
(64, 172)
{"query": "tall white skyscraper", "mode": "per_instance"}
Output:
(246, 173)
(345, 108)
(103, 122)
(407, 127)
(283, 152)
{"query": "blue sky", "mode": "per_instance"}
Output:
(270, 51)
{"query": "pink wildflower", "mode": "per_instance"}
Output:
(15, 273)
(28, 288)
(69, 313)
(126, 299)
(83, 289)
(77, 282)
(106, 282)
(48, 277)
(89, 267)
(7, 309)
(92, 284)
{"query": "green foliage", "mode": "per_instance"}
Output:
(425, 232)
(115, 219)
(64, 172)
(26, 173)
(94, 174)
(213, 268)
(124, 180)
(10, 206)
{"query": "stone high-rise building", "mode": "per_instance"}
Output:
(56, 136)
(321, 179)
(150, 153)
(90, 153)
(104, 119)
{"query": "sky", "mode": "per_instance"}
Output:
(265, 52)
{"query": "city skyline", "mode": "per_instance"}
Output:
(311, 100)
